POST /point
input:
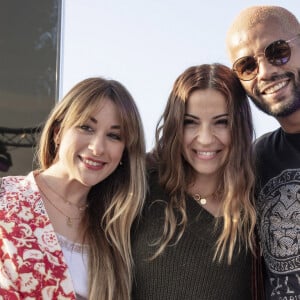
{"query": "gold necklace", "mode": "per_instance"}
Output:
(79, 207)
(202, 199)
(68, 218)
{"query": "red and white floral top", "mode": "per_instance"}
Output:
(32, 265)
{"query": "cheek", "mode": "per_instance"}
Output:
(248, 85)
(188, 136)
(118, 152)
(70, 144)
(224, 137)
(294, 61)
(227, 139)
(65, 152)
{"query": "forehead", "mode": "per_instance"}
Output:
(106, 109)
(97, 108)
(250, 40)
(208, 100)
(258, 26)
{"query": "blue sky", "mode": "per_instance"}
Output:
(147, 44)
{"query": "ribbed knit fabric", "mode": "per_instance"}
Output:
(186, 270)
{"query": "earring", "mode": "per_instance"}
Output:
(56, 147)
(120, 163)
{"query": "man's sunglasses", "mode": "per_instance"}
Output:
(277, 53)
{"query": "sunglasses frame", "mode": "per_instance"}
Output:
(255, 72)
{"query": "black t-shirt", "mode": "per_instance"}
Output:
(278, 204)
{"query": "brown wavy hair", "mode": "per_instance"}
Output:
(115, 202)
(237, 181)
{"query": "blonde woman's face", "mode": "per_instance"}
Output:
(206, 134)
(90, 152)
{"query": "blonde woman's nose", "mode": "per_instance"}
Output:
(97, 145)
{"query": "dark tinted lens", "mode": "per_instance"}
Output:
(246, 67)
(278, 53)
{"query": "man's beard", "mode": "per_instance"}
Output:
(287, 109)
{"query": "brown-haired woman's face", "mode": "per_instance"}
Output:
(206, 135)
(90, 152)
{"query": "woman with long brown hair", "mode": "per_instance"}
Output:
(195, 239)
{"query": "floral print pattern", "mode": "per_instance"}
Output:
(32, 265)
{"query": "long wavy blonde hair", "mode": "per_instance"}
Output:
(237, 181)
(113, 203)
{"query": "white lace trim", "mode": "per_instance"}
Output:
(71, 246)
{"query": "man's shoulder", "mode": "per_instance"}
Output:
(267, 139)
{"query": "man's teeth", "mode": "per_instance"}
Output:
(275, 87)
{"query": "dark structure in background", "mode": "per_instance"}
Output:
(29, 76)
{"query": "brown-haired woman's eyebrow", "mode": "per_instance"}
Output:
(221, 116)
(191, 116)
(215, 117)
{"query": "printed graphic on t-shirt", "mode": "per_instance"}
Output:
(279, 226)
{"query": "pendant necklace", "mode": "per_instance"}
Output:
(80, 208)
(68, 218)
(201, 199)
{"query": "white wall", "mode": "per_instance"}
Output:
(147, 44)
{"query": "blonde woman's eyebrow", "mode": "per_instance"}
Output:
(93, 120)
(112, 126)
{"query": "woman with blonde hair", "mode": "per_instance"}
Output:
(195, 239)
(66, 228)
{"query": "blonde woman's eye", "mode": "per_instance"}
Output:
(115, 136)
(85, 128)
